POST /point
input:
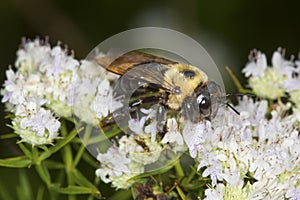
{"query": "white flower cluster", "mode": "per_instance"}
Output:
(49, 81)
(256, 155)
(250, 156)
(121, 163)
(132, 154)
(93, 94)
(42, 80)
(282, 79)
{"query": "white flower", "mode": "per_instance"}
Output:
(92, 70)
(38, 128)
(293, 194)
(31, 55)
(137, 125)
(268, 188)
(44, 72)
(172, 135)
(117, 166)
(140, 149)
(274, 81)
(292, 84)
(152, 126)
(104, 102)
(43, 123)
(214, 193)
(256, 66)
(84, 94)
(284, 66)
(58, 62)
(113, 163)
(13, 88)
(251, 145)
(214, 173)
(269, 85)
(92, 93)
(126, 180)
(195, 134)
(233, 177)
(30, 106)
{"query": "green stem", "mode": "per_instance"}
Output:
(78, 156)
(68, 158)
(44, 174)
(40, 192)
(191, 176)
(235, 79)
(180, 192)
(237, 82)
(35, 155)
(25, 150)
(178, 168)
(80, 152)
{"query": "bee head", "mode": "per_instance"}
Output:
(209, 99)
(204, 103)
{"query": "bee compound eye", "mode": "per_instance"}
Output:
(204, 105)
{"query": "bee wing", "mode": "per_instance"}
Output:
(119, 64)
(142, 67)
(153, 73)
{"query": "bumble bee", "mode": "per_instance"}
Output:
(147, 80)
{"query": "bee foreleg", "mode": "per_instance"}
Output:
(161, 118)
(190, 110)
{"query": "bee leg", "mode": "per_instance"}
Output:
(190, 110)
(161, 119)
(119, 118)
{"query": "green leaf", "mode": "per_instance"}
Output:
(24, 189)
(88, 158)
(16, 162)
(76, 140)
(155, 172)
(43, 173)
(40, 192)
(81, 180)
(121, 194)
(180, 192)
(178, 168)
(52, 164)
(58, 146)
(67, 156)
(25, 150)
(4, 194)
(8, 136)
(79, 154)
(75, 190)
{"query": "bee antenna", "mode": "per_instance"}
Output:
(239, 94)
(232, 108)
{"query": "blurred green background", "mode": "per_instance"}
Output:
(228, 30)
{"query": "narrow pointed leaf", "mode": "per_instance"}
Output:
(25, 150)
(23, 188)
(4, 194)
(80, 179)
(58, 145)
(52, 164)
(16, 162)
(76, 190)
